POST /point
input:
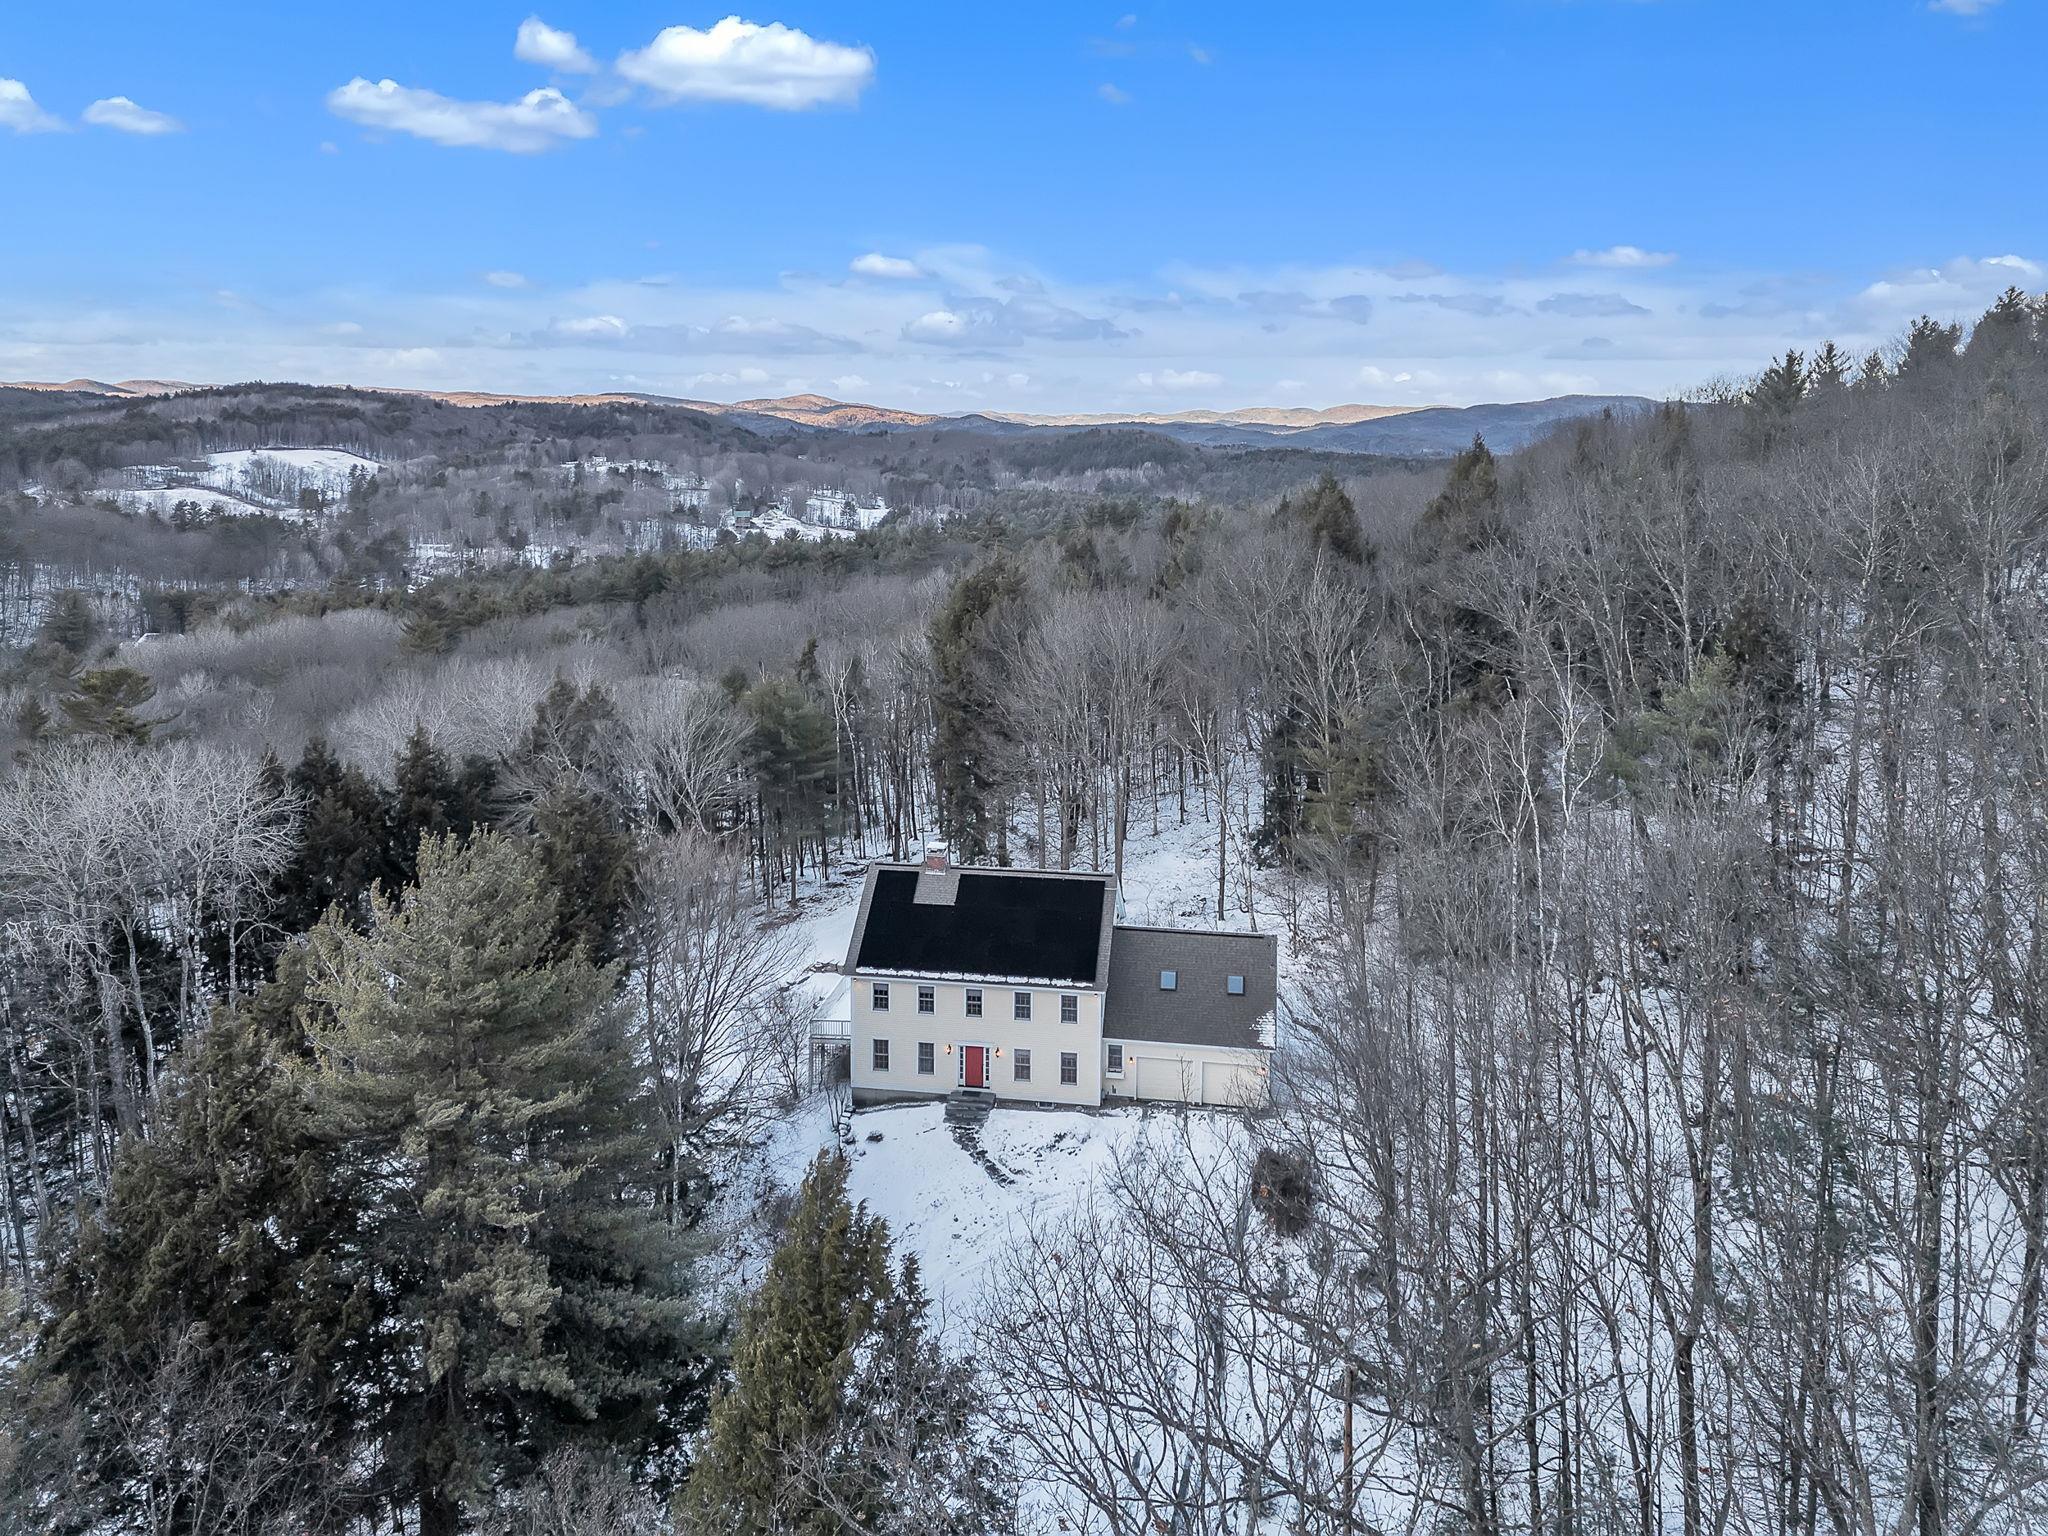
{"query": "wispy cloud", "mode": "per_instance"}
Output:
(1962, 7)
(737, 61)
(19, 112)
(1177, 379)
(1625, 257)
(124, 116)
(551, 48)
(875, 264)
(540, 120)
(504, 279)
(1114, 94)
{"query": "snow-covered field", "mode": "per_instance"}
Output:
(164, 500)
(264, 471)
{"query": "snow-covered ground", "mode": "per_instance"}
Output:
(267, 471)
(164, 500)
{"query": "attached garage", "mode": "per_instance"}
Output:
(1190, 1016)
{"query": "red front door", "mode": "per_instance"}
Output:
(974, 1066)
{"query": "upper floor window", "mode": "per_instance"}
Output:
(927, 999)
(1020, 1005)
(878, 994)
(974, 1002)
(1234, 985)
(881, 1055)
(1070, 1008)
(1168, 980)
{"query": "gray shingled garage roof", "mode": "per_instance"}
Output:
(1200, 1010)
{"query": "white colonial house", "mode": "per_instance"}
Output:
(1020, 984)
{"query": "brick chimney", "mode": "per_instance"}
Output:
(938, 854)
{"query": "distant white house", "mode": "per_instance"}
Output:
(843, 509)
(1020, 985)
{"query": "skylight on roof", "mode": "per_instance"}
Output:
(1234, 985)
(1168, 980)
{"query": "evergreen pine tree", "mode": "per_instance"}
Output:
(794, 762)
(1829, 370)
(1780, 388)
(68, 624)
(345, 842)
(200, 1315)
(480, 1094)
(2006, 330)
(430, 798)
(793, 1356)
(587, 855)
(967, 740)
(1461, 515)
(842, 1414)
(1328, 517)
(108, 703)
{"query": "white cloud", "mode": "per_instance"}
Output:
(503, 279)
(1124, 23)
(1115, 95)
(124, 116)
(773, 66)
(551, 48)
(1625, 257)
(875, 264)
(19, 112)
(1200, 54)
(599, 327)
(537, 121)
(1961, 7)
(846, 383)
(1175, 378)
(342, 328)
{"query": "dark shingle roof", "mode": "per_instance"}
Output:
(1200, 1010)
(997, 923)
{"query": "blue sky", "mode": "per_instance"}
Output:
(1045, 207)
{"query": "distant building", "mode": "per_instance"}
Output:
(1021, 984)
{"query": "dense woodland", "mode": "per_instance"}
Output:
(393, 984)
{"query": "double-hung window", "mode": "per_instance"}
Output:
(974, 1002)
(881, 1055)
(1020, 1005)
(1116, 1059)
(927, 1059)
(1020, 1065)
(1070, 1008)
(927, 999)
(1070, 1068)
(878, 996)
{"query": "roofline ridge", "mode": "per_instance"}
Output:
(1220, 933)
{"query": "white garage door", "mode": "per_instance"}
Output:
(1225, 1082)
(1165, 1077)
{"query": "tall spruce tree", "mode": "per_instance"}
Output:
(968, 746)
(478, 1094)
(1327, 516)
(345, 842)
(842, 1414)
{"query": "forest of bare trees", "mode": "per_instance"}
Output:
(1660, 1142)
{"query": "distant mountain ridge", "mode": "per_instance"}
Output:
(1422, 430)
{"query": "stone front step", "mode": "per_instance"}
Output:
(969, 1107)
